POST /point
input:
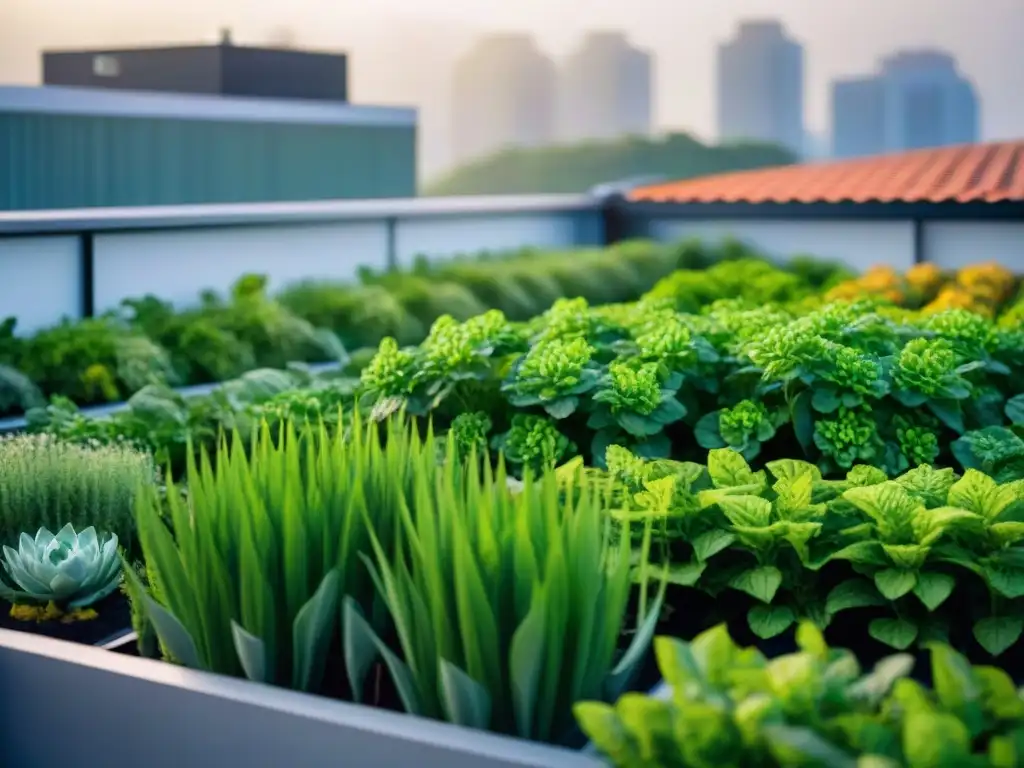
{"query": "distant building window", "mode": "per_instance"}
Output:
(106, 66)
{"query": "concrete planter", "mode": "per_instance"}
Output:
(92, 708)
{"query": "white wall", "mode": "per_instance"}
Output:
(176, 265)
(954, 244)
(40, 279)
(40, 275)
(860, 244)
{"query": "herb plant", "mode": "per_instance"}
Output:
(508, 605)
(728, 707)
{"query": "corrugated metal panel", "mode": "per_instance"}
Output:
(77, 161)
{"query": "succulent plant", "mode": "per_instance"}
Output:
(73, 570)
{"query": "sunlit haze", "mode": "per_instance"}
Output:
(404, 56)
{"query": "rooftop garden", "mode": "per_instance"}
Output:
(701, 510)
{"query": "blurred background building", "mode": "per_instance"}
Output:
(760, 86)
(198, 124)
(605, 90)
(918, 99)
(503, 94)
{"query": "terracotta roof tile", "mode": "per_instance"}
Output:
(966, 173)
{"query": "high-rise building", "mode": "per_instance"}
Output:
(605, 90)
(761, 86)
(503, 95)
(918, 99)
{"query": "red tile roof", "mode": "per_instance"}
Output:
(969, 173)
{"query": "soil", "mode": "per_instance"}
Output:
(114, 619)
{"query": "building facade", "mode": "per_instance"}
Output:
(760, 86)
(225, 69)
(918, 100)
(605, 90)
(503, 95)
(89, 147)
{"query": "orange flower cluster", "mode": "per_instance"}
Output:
(981, 288)
(881, 281)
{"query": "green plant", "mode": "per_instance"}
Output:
(46, 482)
(257, 559)
(72, 570)
(508, 605)
(729, 707)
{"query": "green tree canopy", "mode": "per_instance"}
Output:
(578, 167)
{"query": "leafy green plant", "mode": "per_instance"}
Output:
(508, 605)
(256, 561)
(47, 483)
(730, 707)
(71, 569)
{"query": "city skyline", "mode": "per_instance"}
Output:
(405, 57)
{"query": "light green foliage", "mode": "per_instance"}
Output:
(533, 442)
(729, 707)
(253, 568)
(48, 483)
(71, 569)
(470, 434)
(508, 606)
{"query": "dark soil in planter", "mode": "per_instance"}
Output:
(114, 619)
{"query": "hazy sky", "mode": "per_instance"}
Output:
(402, 50)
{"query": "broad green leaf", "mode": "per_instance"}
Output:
(825, 400)
(950, 413)
(933, 588)
(602, 726)
(897, 633)
(750, 511)
(791, 469)
(863, 553)
(466, 702)
(907, 557)
(1007, 533)
(312, 631)
(976, 492)
(562, 408)
(252, 654)
(889, 504)
(685, 574)
(767, 621)
(810, 639)
(526, 661)
(638, 425)
(172, 634)
(707, 433)
(761, 583)
(998, 633)
(894, 583)
(931, 486)
(930, 524)
(676, 661)
(956, 687)
(802, 746)
(728, 469)
(853, 593)
(935, 740)
(359, 646)
(1015, 409)
(1005, 580)
(710, 543)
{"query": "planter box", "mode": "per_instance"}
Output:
(119, 712)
